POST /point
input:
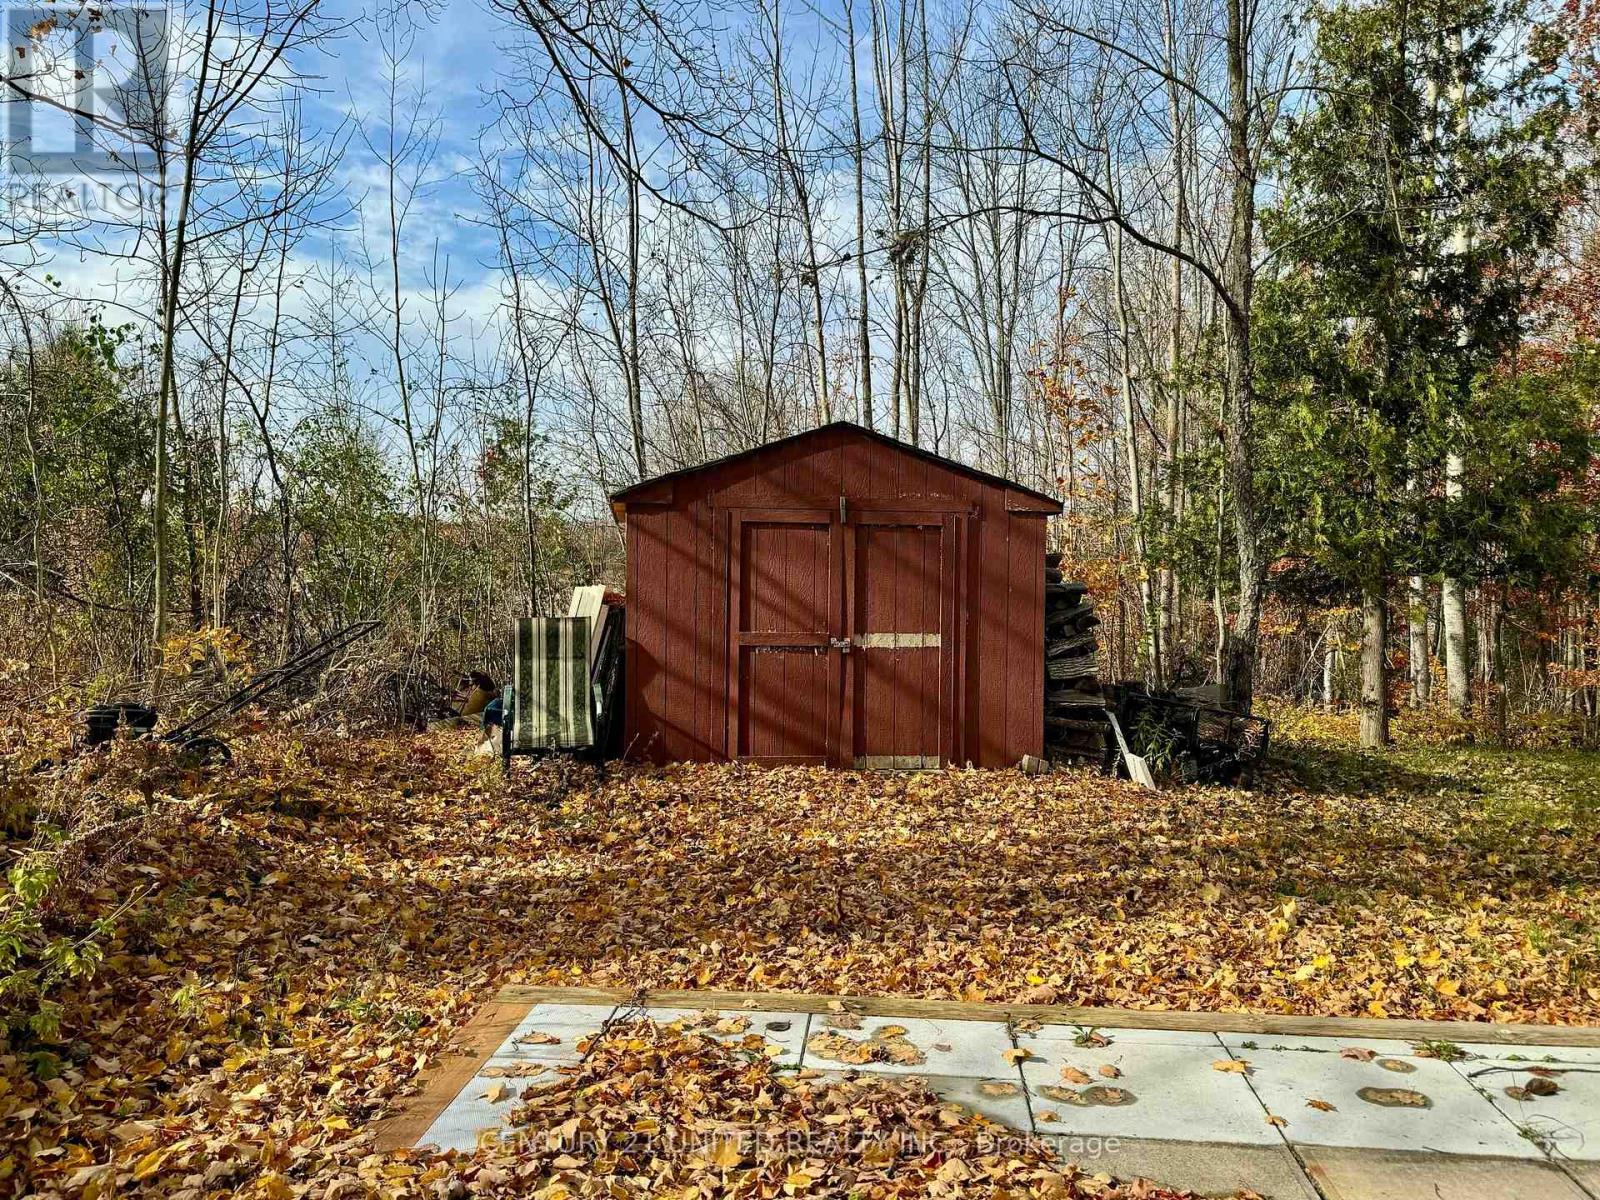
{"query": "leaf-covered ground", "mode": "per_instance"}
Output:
(310, 927)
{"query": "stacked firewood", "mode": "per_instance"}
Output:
(1074, 708)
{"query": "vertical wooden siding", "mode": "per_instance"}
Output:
(677, 654)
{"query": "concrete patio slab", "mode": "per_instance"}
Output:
(1586, 1056)
(783, 1034)
(567, 1024)
(1120, 1037)
(1165, 1112)
(472, 1113)
(1172, 1093)
(1567, 1124)
(1001, 1098)
(1347, 1174)
(1428, 1108)
(1207, 1168)
(975, 1049)
(1244, 1043)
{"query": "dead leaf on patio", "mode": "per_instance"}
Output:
(516, 1070)
(1320, 1105)
(942, 1047)
(1541, 1085)
(1015, 1056)
(1110, 1072)
(538, 1038)
(1073, 1075)
(1394, 1097)
(1358, 1053)
(1061, 1095)
(496, 1093)
(998, 1087)
(1275, 1120)
(1232, 1066)
(1110, 1097)
(1048, 1114)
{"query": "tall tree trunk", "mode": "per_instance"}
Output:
(1457, 678)
(1374, 667)
(1149, 639)
(1238, 442)
(1170, 585)
(863, 326)
(1453, 591)
(1417, 632)
(167, 388)
(1330, 664)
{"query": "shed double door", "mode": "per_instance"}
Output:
(842, 636)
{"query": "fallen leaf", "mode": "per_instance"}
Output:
(1232, 1066)
(1359, 1053)
(1110, 1072)
(1073, 1075)
(998, 1087)
(1320, 1105)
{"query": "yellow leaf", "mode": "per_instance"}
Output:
(150, 1163)
(1232, 1066)
(1447, 987)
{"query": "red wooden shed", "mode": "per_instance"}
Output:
(835, 597)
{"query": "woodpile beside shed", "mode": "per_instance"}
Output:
(1074, 703)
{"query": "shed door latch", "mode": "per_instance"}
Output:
(842, 518)
(839, 643)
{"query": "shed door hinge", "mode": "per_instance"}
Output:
(842, 517)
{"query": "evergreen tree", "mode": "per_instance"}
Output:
(1424, 176)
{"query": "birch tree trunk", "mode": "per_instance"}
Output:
(1374, 668)
(1417, 632)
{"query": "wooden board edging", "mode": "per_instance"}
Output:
(480, 1037)
(1064, 1014)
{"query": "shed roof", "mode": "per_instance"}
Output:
(658, 489)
